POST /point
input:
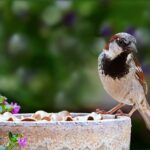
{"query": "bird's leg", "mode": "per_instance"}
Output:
(132, 111)
(120, 113)
(117, 107)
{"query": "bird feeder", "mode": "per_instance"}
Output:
(76, 132)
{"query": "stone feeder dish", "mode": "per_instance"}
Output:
(107, 133)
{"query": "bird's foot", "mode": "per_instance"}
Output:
(112, 111)
(121, 113)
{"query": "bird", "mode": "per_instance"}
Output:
(121, 75)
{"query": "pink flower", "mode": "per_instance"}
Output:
(16, 108)
(22, 142)
(6, 103)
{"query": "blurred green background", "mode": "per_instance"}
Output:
(49, 51)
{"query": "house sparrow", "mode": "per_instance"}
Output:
(122, 76)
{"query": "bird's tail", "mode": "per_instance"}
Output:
(144, 110)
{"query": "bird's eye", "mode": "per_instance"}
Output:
(121, 43)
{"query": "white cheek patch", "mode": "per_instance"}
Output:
(114, 50)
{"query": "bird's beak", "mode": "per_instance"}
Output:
(132, 47)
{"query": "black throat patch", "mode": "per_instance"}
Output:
(117, 67)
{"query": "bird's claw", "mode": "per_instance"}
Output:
(121, 113)
(98, 111)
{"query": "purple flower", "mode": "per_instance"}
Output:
(146, 69)
(16, 108)
(22, 142)
(130, 30)
(69, 18)
(6, 103)
(106, 30)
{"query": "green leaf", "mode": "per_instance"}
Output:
(8, 108)
(1, 109)
(10, 135)
(14, 138)
(2, 99)
(10, 145)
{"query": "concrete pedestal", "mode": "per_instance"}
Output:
(106, 134)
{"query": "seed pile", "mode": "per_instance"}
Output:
(42, 116)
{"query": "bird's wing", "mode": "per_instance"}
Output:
(140, 75)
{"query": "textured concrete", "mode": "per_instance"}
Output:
(106, 134)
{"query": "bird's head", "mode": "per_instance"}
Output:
(120, 43)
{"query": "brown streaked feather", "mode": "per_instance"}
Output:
(140, 75)
(106, 46)
(114, 37)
